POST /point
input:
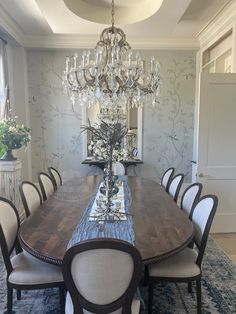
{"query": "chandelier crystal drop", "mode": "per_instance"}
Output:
(112, 75)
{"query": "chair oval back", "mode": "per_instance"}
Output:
(175, 185)
(55, 176)
(190, 196)
(46, 185)
(102, 274)
(202, 217)
(9, 224)
(166, 178)
(118, 168)
(31, 197)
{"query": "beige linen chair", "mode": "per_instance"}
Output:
(118, 168)
(46, 185)
(175, 185)
(190, 196)
(31, 197)
(102, 276)
(185, 266)
(55, 176)
(166, 178)
(24, 272)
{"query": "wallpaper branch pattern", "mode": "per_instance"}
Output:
(55, 123)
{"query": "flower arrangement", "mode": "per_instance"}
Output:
(107, 139)
(12, 134)
(98, 149)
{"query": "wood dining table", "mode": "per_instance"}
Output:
(161, 228)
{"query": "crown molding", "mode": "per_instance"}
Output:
(219, 25)
(72, 41)
(10, 26)
(61, 41)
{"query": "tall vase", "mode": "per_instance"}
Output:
(8, 156)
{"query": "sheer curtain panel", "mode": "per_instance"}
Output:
(4, 88)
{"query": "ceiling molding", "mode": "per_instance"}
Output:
(218, 25)
(72, 41)
(10, 26)
(57, 41)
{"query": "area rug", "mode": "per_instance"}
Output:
(218, 291)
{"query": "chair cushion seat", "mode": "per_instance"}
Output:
(135, 307)
(28, 270)
(181, 265)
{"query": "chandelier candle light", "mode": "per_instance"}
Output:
(112, 75)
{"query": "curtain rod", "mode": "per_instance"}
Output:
(4, 40)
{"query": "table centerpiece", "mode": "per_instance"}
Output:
(109, 136)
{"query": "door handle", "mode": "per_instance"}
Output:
(202, 175)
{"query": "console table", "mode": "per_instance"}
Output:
(101, 163)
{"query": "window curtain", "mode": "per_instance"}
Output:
(4, 86)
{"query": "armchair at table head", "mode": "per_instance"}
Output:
(55, 176)
(46, 185)
(118, 168)
(24, 272)
(166, 178)
(102, 276)
(31, 197)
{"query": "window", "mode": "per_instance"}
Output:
(4, 90)
(218, 58)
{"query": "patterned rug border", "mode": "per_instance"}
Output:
(218, 290)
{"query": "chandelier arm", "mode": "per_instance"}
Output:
(89, 81)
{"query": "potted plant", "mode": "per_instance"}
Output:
(12, 136)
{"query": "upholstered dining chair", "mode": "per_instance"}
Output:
(31, 197)
(24, 272)
(55, 176)
(166, 178)
(46, 185)
(102, 276)
(189, 197)
(118, 168)
(175, 186)
(185, 266)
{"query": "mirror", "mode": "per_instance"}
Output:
(132, 141)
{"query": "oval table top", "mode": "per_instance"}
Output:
(161, 228)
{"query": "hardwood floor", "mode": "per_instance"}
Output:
(227, 241)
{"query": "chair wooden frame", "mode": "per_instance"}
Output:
(50, 170)
(171, 170)
(9, 268)
(23, 198)
(197, 196)
(42, 186)
(176, 194)
(124, 301)
(201, 250)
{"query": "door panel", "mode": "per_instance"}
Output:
(217, 145)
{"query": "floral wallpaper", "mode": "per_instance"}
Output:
(55, 123)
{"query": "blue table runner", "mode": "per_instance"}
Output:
(122, 230)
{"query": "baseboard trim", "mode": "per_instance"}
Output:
(224, 223)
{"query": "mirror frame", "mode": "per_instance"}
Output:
(139, 133)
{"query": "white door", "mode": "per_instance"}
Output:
(216, 164)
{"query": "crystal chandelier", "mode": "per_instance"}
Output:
(112, 76)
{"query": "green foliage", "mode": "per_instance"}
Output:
(13, 135)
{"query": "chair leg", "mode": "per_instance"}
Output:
(150, 297)
(18, 292)
(190, 287)
(62, 299)
(199, 296)
(9, 300)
